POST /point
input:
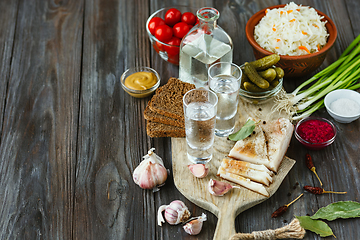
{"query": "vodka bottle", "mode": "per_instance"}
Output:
(205, 44)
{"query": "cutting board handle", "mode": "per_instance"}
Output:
(225, 227)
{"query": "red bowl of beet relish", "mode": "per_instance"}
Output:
(315, 132)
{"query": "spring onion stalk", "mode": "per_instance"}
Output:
(309, 96)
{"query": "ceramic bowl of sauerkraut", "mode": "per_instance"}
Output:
(301, 35)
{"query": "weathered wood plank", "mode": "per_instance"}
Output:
(352, 7)
(7, 31)
(70, 137)
(112, 135)
(37, 152)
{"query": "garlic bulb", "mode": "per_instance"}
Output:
(198, 170)
(219, 188)
(175, 213)
(194, 227)
(151, 171)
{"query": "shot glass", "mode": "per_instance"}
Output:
(200, 111)
(225, 80)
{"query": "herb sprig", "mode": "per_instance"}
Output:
(244, 132)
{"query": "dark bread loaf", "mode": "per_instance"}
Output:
(155, 129)
(155, 117)
(168, 100)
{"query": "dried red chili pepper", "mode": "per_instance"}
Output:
(281, 210)
(310, 166)
(319, 190)
(309, 162)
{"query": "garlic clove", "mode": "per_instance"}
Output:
(160, 217)
(160, 174)
(199, 170)
(218, 188)
(194, 227)
(150, 172)
(176, 212)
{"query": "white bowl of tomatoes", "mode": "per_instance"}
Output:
(166, 27)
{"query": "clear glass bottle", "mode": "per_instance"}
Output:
(205, 44)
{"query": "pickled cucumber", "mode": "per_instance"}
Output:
(265, 62)
(268, 74)
(249, 86)
(254, 77)
(261, 75)
(279, 73)
(244, 79)
(274, 83)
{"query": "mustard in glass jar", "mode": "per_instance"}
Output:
(140, 82)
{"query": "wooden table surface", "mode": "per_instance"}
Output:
(70, 137)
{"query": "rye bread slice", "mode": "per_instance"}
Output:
(156, 117)
(155, 129)
(168, 99)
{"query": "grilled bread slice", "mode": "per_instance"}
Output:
(155, 129)
(168, 99)
(155, 117)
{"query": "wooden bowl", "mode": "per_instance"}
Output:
(294, 66)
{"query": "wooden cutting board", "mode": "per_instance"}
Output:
(229, 206)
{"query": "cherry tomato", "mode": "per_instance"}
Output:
(159, 47)
(173, 50)
(156, 47)
(163, 33)
(180, 29)
(154, 23)
(172, 16)
(188, 18)
(174, 59)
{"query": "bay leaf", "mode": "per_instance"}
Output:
(316, 226)
(341, 209)
(244, 132)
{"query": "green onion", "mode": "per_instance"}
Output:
(342, 74)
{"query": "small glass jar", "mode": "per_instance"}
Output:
(315, 132)
(204, 44)
(143, 92)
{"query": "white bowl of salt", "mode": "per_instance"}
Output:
(343, 105)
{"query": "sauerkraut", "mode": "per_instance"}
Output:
(292, 30)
